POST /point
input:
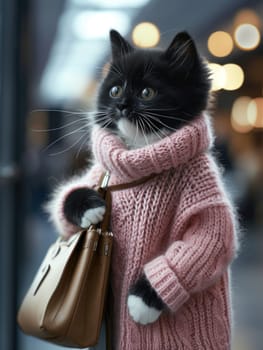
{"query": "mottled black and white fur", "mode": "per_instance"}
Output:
(146, 95)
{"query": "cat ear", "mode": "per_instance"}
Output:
(182, 52)
(119, 46)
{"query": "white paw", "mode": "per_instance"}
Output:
(92, 217)
(140, 312)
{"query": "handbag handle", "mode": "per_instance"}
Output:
(106, 195)
(105, 224)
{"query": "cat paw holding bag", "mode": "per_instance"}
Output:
(84, 207)
(75, 205)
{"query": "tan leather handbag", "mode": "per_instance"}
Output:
(66, 300)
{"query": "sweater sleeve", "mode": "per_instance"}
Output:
(55, 205)
(198, 260)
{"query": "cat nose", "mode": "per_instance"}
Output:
(123, 108)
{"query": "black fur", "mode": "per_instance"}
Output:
(177, 74)
(79, 201)
(143, 289)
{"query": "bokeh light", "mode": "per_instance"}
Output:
(247, 16)
(239, 115)
(220, 44)
(229, 76)
(255, 112)
(218, 76)
(146, 34)
(247, 36)
(234, 76)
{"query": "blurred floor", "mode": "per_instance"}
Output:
(247, 287)
(247, 291)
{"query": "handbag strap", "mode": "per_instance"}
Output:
(128, 185)
(106, 190)
(104, 180)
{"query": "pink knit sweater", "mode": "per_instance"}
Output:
(178, 228)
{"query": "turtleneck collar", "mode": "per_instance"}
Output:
(170, 152)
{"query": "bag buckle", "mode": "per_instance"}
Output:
(105, 181)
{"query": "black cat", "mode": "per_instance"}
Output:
(146, 95)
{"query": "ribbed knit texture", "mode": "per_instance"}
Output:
(178, 228)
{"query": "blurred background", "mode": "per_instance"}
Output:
(53, 55)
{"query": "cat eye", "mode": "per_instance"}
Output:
(116, 91)
(147, 94)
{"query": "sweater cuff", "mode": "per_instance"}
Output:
(166, 284)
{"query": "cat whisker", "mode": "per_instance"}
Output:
(97, 118)
(84, 128)
(107, 124)
(167, 117)
(60, 127)
(63, 136)
(97, 112)
(160, 122)
(68, 148)
(100, 68)
(162, 109)
(168, 109)
(81, 145)
(106, 121)
(159, 133)
(82, 117)
(142, 127)
(136, 133)
(151, 128)
(57, 110)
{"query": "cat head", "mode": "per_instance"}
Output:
(149, 93)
